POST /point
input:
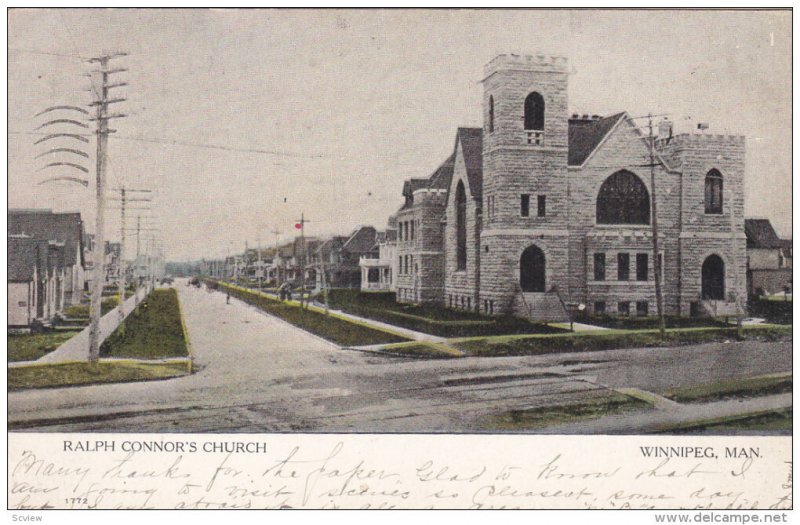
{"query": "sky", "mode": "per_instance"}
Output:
(241, 121)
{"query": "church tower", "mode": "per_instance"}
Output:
(524, 238)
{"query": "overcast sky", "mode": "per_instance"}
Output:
(241, 120)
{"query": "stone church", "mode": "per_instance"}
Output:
(538, 211)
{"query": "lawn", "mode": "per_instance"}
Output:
(733, 389)
(154, 330)
(338, 330)
(651, 322)
(540, 417)
(773, 311)
(75, 374)
(435, 320)
(81, 311)
(29, 347)
(609, 340)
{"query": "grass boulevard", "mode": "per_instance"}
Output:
(481, 335)
(150, 344)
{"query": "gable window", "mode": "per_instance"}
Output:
(461, 227)
(623, 266)
(641, 266)
(623, 199)
(525, 205)
(491, 113)
(713, 192)
(541, 205)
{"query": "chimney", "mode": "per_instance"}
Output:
(665, 129)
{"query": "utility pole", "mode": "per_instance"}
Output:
(656, 254)
(124, 200)
(102, 117)
(303, 222)
(276, 260)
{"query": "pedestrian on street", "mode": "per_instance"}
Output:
(227, 298)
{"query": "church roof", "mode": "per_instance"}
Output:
(761, 234)
(586, 134)
(472, 147)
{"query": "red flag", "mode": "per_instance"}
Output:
(297, 226)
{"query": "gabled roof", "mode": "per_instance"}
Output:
(44, 224)
(761, 234)
(586, 134)
(332, 244)
(25, 255)
(361, 241)
(441, 177)
(471, 140)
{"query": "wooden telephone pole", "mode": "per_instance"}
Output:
(101, 103)
(302, 223)
(657, 263)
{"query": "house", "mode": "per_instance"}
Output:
(340, 258)
(379, 267)
(769, 259)
(65, 228)
(36, 280)
(537, 209)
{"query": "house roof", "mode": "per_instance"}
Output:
(25, 255)
(472, 147)
(44, 224)
(440, 179)
(585, 134)
(329, 245)
(361, 241)
(761, 234)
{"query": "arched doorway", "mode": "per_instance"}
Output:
(531, 269)
(713, 278)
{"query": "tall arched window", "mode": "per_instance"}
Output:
(461, 227)
(714, 192)
(623, 199)
(491, 113)
(534, 112)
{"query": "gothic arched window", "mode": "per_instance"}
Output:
(461, 227)
(714, 192)
(534, 112)
(623, 199)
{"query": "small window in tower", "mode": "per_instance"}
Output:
(534, 112)
(623, 266)
(541, 205)
(641, 266)
(714, 192)
(525, 205)
(491, 113)
(599, 267)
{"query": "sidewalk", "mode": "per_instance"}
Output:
(405, 332)
(77, 348)
(661, 420)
